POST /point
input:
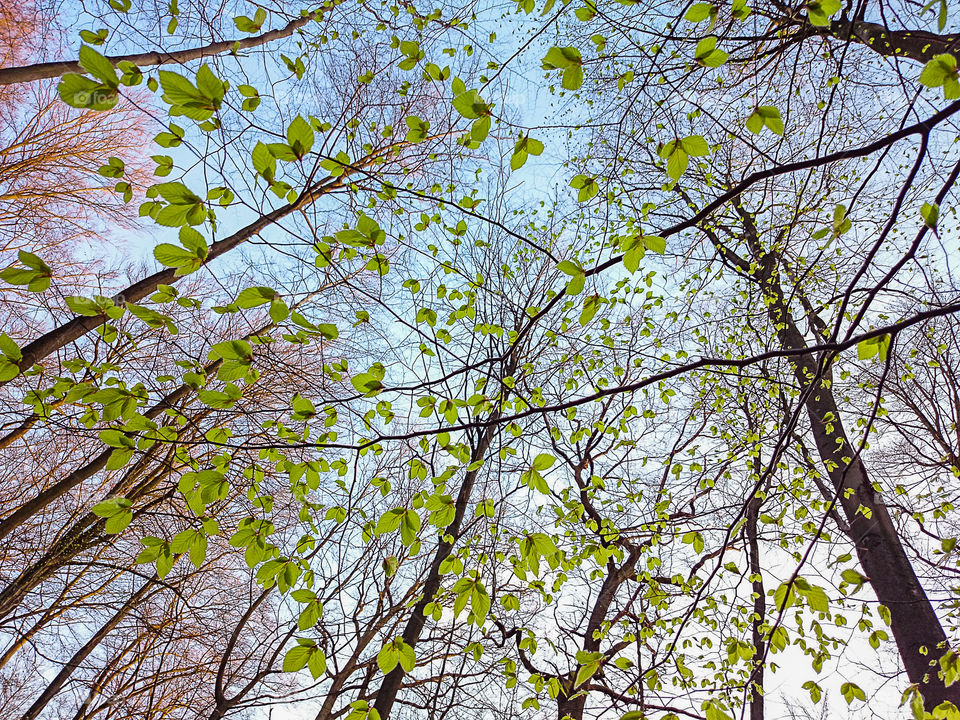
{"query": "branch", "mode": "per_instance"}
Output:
(41, 71)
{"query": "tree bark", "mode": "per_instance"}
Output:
(72, 330)
(387, 694)
(571, 702)
(80, 655)
(41, 71)
(81, 474)
(916, 628)
(917, 45)
(755, 686)
(82, 535)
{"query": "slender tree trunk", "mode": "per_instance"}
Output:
(221, 703)
(72, 330)
(57, 490)
(571, 702)
(755, 686)
(916, 628)
(19, 431)
(82, 535)
(58, 608)
(918, 45)
(387, 694)
(40, 71)
(80, 655)
(78, 476)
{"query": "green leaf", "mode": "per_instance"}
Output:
(178, 90)
(248, 25)
(572, 78)
(408, 659)
(817, 599)
(575, 286)
(586, 13)
(387, 658)
(82, 306)
(210, 86)
(117, 513)
(394, 652)
(587, 186)
(367, 383)
(82, 92)
(389, 521)
(255, 296)
(766, 116)
(707, 54)
(485, 508)
(470, 105)
(543, 461)
(853, 577)
(874, 347)
(300, 136)
(695, 145)
(634, 250)
(110, 507)
(296, 658)
(785, 596)
(176, 257)
(94, 38)
(814, 690)
(9, 348)
(379, 264)
(699, 12)
(569, 60)
(714, 711)
(317, 664)
(585, 672)
(310, 615)
(590, 307)
(820, 11)
(558, 58)
(418, 129)
(654, 243)
(480, 129)
(98, 66)
(238, 350)
(851, 691)
(409, 527)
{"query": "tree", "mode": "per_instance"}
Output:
(581, 361)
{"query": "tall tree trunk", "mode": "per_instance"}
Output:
(82, 535)
(169, 401)
(571, 702)
(41, 71)
(80, 655)
(387, 694)
(755, 685)
(916, 628)
(57, 338)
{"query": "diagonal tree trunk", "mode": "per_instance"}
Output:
(72, 330)
(78, 476)
(916, 628)
(387, 694)
(41, 71)
(53, 689)
(85, 533)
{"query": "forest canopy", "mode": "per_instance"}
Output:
(574, 359)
